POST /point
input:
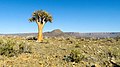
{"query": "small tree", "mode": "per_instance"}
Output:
(40, 17)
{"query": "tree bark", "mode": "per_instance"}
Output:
(40, 29)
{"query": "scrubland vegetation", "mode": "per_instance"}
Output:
(59, 52)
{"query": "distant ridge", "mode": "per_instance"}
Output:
(58, 32)
(97, 34)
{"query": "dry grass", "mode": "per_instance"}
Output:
(86, 52)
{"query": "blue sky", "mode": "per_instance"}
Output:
(68, 15)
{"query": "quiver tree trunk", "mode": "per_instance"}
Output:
(40, 30)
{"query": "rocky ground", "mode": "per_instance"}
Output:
(61, 51)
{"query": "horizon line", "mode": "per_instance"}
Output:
(62, 31)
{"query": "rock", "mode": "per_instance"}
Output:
(1, 57)
(31, 38)
(45, 37)
(97, 65)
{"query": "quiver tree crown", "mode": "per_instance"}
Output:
(41, 16)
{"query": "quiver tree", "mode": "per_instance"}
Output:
(40, 17)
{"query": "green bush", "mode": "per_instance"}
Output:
(10, 48)
(74, 56)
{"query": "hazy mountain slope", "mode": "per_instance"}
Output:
(57, 33)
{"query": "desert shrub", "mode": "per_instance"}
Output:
(74, 56)
(31, 38)
(10, 48)
(77, 45)
(115, 51)
(117, 38)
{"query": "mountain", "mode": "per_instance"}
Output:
(99, 35)
(58, 32)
